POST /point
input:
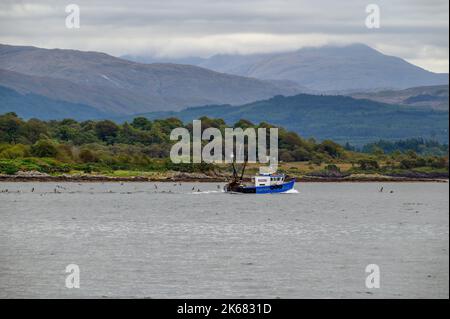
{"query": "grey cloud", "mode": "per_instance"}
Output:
(416, 30)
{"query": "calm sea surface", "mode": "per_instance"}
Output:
(134, 240)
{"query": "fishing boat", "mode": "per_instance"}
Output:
(266, 182)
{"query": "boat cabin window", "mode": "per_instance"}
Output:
(262, 181)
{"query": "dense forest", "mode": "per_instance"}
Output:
(67, 146)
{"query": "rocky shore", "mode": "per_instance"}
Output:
(34, 176)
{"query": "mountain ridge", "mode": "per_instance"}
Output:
(434, 97)
(30, 105)
(136, 87)
(340, 118)
(327, 69)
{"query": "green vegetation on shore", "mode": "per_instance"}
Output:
(417, 145)
(142, 147)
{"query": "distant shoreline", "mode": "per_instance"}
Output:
(186, 178)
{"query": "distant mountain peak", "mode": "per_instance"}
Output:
(330, 68)
(119, 86)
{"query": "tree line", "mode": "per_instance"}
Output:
(142, 144)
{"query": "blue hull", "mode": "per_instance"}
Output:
(273, 189)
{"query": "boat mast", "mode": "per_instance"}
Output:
(243, 169)
(234, 171)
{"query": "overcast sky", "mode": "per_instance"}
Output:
(416, 30)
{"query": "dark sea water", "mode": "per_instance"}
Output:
(134, 240)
